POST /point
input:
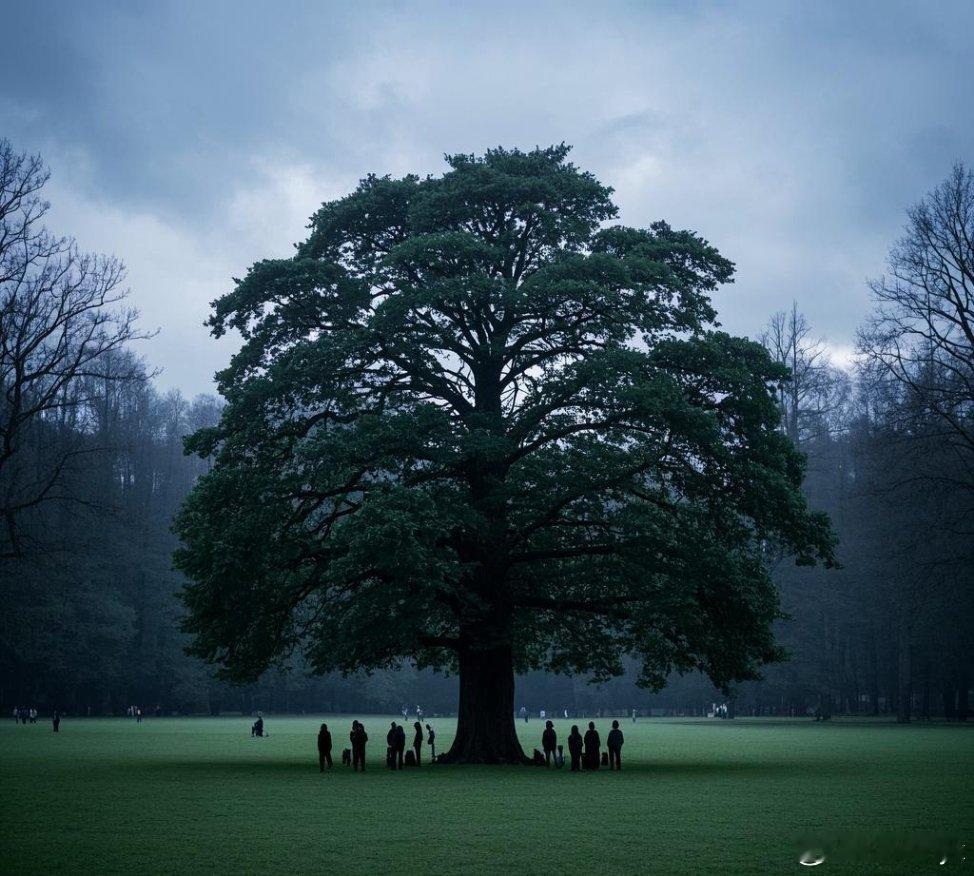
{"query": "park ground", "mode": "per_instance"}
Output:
(198, 795)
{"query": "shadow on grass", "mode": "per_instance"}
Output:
(697, 770)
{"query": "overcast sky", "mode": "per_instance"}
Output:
(192, 139)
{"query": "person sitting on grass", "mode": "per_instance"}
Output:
(549, 742)
(575, 748)
(592, 745)
(324, 748)
(614, 744)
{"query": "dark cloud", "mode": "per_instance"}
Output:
(193, 138)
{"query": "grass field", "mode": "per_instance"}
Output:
(744, 796)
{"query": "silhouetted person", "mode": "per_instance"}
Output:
(392, 740)
(56, 721)
(358, 737)
(575, 748)
(324, 748)
(400, 747)
(614, 744)
(431, 740)
(258, 728)
(418, 741)
(592, 745)
(549, 742)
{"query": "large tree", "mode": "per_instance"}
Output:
(474, 426)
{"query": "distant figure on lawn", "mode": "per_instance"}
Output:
(549, 742)
(614, 744)
(524, 714)
(258, 728)
(633, 716)
(358, 737)
(592, 745)
(431, 741)
(418, 741)
(56, 721)
(575, 748)
(324, 748)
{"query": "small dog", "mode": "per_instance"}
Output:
(347, 757)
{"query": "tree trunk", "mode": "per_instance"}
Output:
(485, 720)
(904, 693)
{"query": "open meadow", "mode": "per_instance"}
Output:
(200, 795)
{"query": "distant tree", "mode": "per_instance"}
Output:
(59, 325)
(812, 394)
(471, 426)
(921, 334)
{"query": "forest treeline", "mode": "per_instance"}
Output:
(92, 470)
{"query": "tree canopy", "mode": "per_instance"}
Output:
(471, 417)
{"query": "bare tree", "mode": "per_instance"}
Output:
(815, 390)
(61, 322)
(921, 334)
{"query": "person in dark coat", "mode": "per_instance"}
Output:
(56, 721)
(258, 728)
(549, 742)
(358, 737)
(575, 748)
(392, 741)
(324, 748)
(614, 744)
(400, 749)
(418, 741)
(592, 745)
(431, 741)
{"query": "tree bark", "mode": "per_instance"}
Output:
(485, 721)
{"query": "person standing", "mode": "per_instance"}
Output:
(431, 741)
(358, 737)
(633, 716)
(400, 746)
(418, 742)
(575, 748)
(392, 740)
(614, 744)
(524, 714)
(592, 745)
(56, 721)
(549, 742)
(324, 748)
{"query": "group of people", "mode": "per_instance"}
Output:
(28, 715)
(25, 715)
(525, 714)
(396, 755)
(585, 751)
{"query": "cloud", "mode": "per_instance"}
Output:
(192, 139)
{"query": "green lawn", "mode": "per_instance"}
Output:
(744, 796)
